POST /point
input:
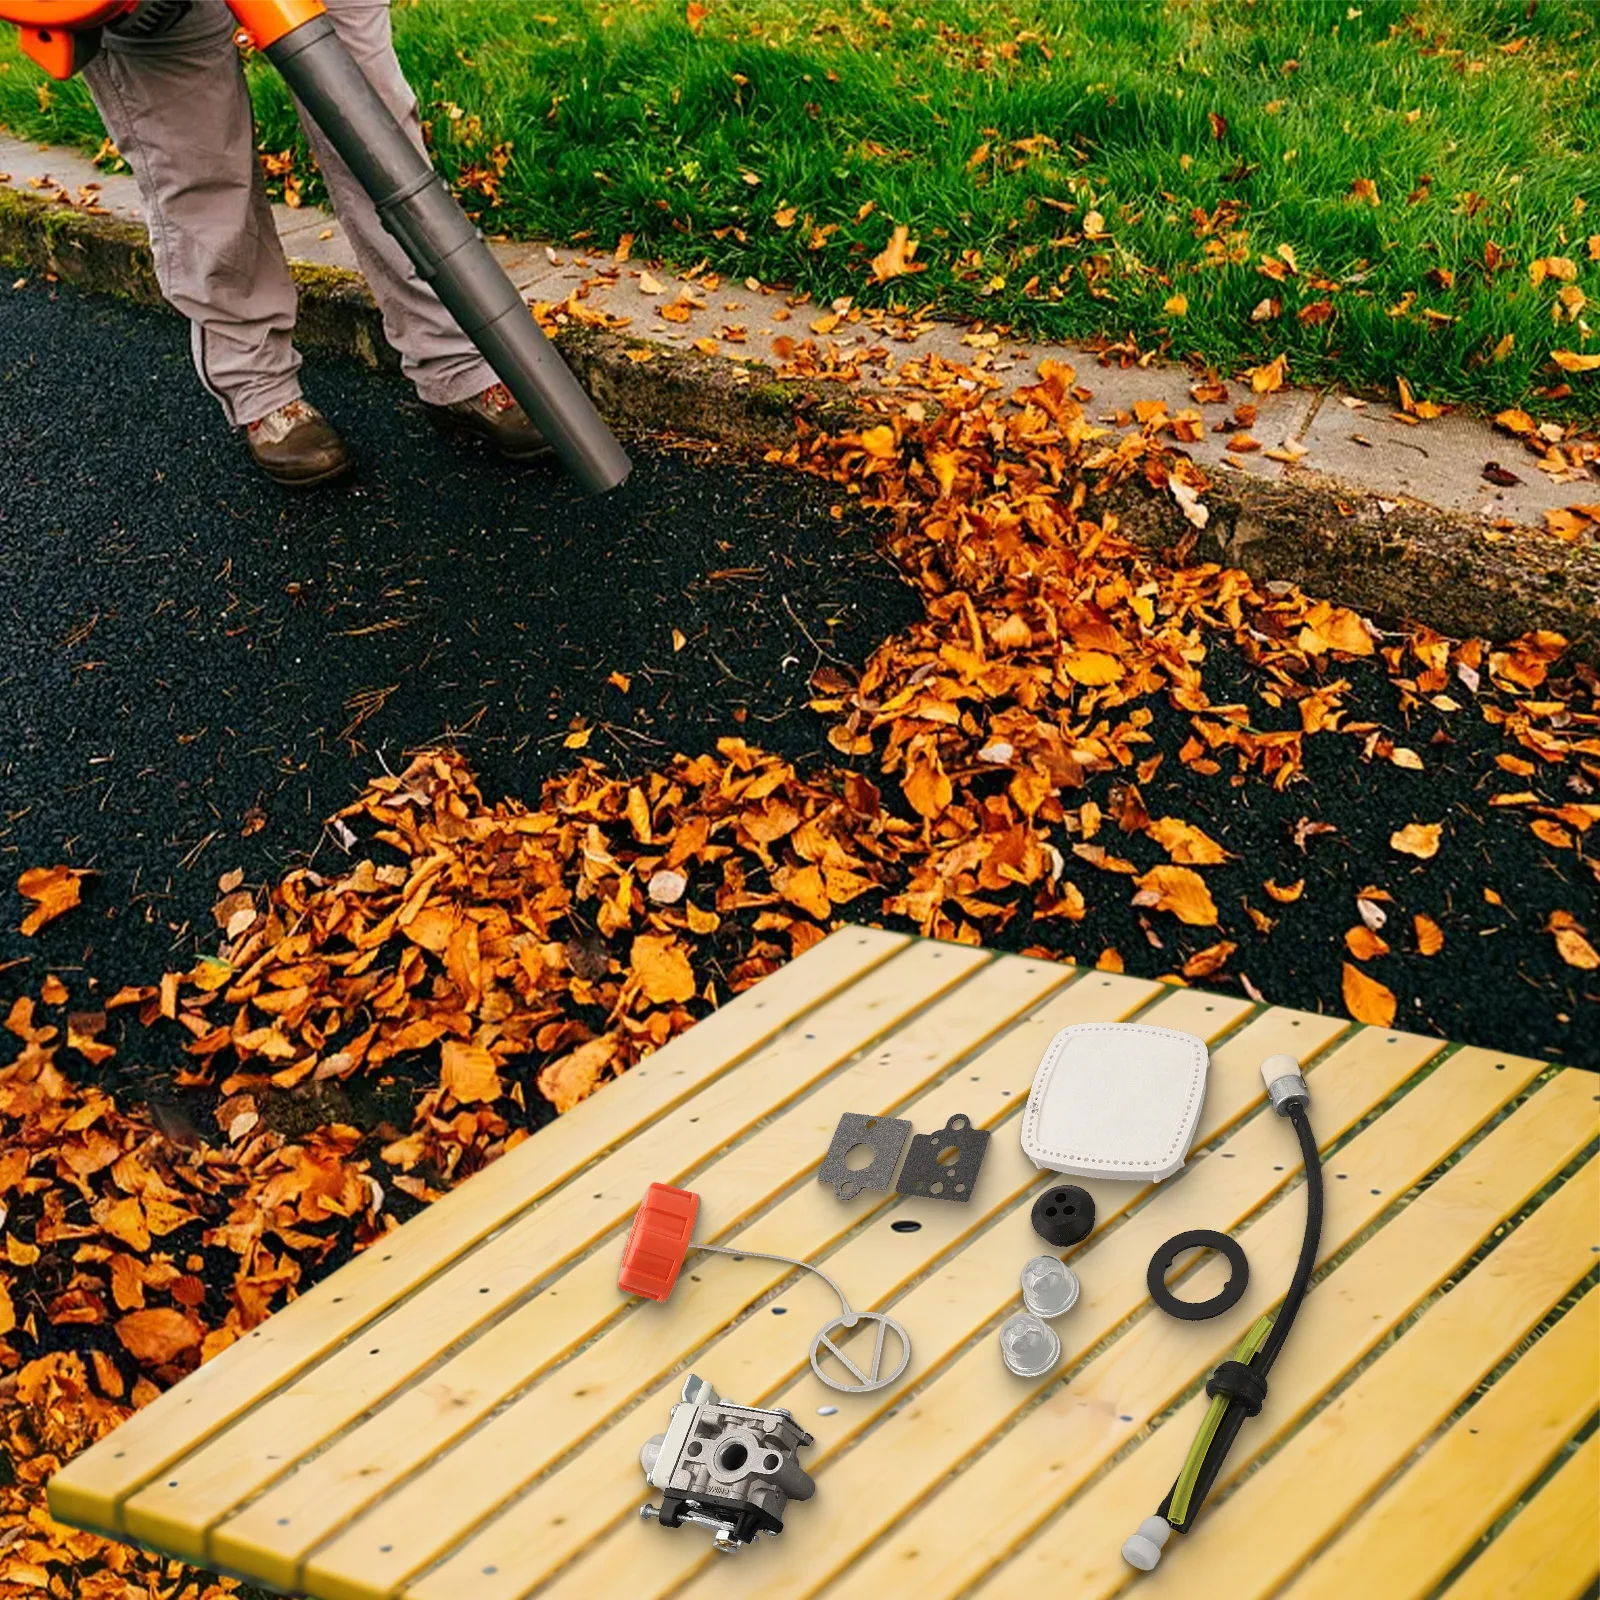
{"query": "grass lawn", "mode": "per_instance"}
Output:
(1382, 189)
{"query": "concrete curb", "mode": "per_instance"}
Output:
(1395, 557)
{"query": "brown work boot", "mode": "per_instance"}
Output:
(297, 446)
(494, 417)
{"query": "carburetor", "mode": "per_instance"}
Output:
(729, 1468)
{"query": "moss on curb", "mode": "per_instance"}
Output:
(1410, 562)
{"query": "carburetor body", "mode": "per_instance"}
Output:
(729, 1468)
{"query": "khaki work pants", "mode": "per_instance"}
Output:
(178, 109)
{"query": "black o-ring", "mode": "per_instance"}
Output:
(1198, 1310)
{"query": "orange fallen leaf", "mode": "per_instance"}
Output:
(805, 888)
(879, 441)
(1179, 890)
(468, 1072)
(157, 1336)
(1551, 833)
(1204, 963)
(1092, 668)
(1419, 839)
(1516, 421)
(83, 1028)
(54, 891)
(661, 965)
(1364, 944)
(578, 1074)
(895, 259)
(1286, 894)
(926, 784)
(1430, 936)
(1571, 945)
(1366, 999)
(1270, 378)
(1571, 361)
(124, 1220)
(1186, 844)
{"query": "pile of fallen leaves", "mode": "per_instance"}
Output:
(476, 963)
(130, 1254)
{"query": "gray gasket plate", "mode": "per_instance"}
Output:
(884, 1136)
(922, 1174)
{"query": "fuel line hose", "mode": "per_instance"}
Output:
(1238, 1387)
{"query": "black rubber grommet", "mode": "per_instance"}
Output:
(1063, 1215)
(1235, 1381)
(1198, 1310)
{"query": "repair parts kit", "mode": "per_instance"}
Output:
(1109, 1101)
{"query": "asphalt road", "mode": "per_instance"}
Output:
(188, 648)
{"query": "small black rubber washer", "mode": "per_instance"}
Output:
(1063, 1215)
(1198, 1310)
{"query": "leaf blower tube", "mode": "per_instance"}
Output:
(447, 251)
(1238, 1388)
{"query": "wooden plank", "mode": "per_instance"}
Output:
(174, 1512)
(1548, 1551)
(1425, 1524)
(1256, 1539)
(525, 1438)
(1349, 1312)
(269, 1539)
(945, 1313)
(1005, 1495)
(90, 1491)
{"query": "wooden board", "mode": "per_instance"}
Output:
(457, 1414)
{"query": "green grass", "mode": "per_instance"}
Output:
(993, 129)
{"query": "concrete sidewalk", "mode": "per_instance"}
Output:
(1337, 496)
(1439, 463)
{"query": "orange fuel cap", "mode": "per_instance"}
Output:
(658, 1241)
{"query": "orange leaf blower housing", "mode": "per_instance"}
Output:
(60, 35)
(412, 201)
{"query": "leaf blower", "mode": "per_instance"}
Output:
(415, 205)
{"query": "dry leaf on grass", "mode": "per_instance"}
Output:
(895, 259)
(1366, 999)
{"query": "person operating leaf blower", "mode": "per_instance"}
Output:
(172, 93)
